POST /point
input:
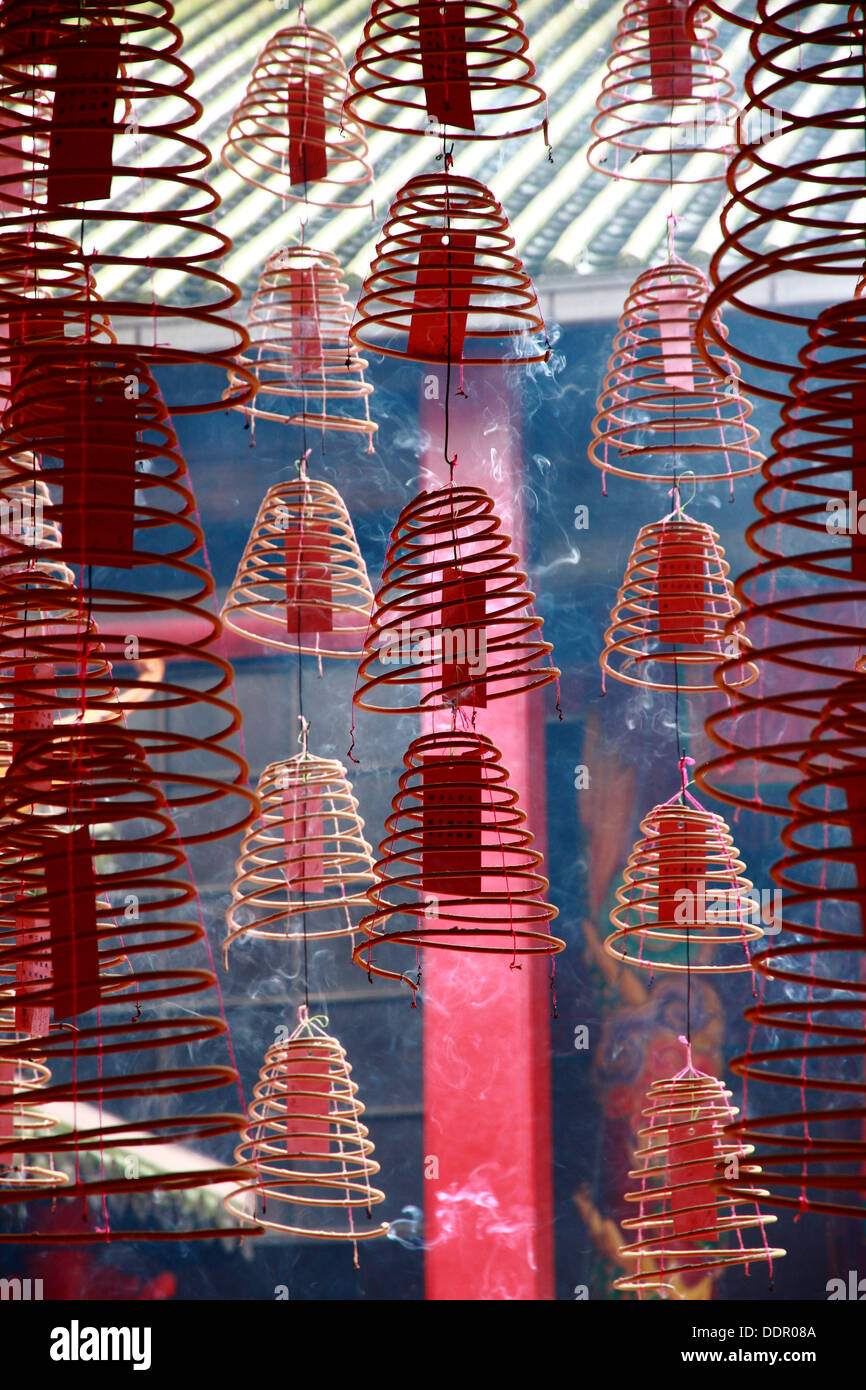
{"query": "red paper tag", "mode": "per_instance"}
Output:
(444, 64)
(681, 591)
(7, 1114)
(463, 605)
(72, 915)
(308, 1117)
(32, 1019)
(307, 353)
(694, 1146)
(675, 337)
(303, 830)
(82, 123)
(670, 49)
(99, 476)
(451, 825)
(681, 872)
(26, 712)
(31, 326)
(308, 155)
(443, 294)
(308, 579)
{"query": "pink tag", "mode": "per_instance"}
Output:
(308, 1123)
(303, 829)
(675, 337)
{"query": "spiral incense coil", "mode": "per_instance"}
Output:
(684, 887)
(457, 861)
(795, 186)
(676, 609)
(298, 327)
(807, 1031)
(302, 584)
(666, 112)
(804, 603)
(127, 509)
(291, 135)
(25, 1076)
(305, 862)
(661, 408)
(101, 878)
(452, 622)
(312, 1155)
(25, 503)
(86, 98)
(463, 70)
(445, 284)
(682, 1223)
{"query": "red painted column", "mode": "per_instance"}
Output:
(487, 1123)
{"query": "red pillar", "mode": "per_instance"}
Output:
(487, 1126)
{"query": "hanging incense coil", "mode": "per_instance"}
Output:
(100, 895)
(682, 1224)
(684, 903)
(25, 513)
(666, 113)
(807, 1030)
(305, 1139)
(298, 327)
(463, 70)
(795, 190)
(128, 519)
(85, 100)
(24, 1076)
(661, 410)
(452, 622)
(291, 135)
(456, 861)
(305, 864)
(675, 611)
(302, 584)
(804, 603)
(446, 284)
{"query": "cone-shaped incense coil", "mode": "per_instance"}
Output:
(87, 101)
(109, 451)
(682, 1223)
(804, 602)
(302, 583)
(290, 135)
(673, 610)
(665, 110)
(24, 1076)
(94, 930)
(460, 68)
(792, 225)
(456, 870)
(808, 1034)
(298, 327)
(304, 865)
(684, 903)
(452, 621)
(446, 284)
(662, 409)
(312, 1154)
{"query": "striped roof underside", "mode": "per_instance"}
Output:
(563, 215)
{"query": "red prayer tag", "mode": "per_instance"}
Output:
(303, 830)
(670, 49)
(308, 579)
(444, 63)
(307, 352)
(72, 917)
(451, 825)
(681, 591)
(26, 714)
(462, 633)
(32, 1019)
(82, 123)
(681, 872)
(694, 1146)
(99, 476)
(7, 1114)
(443, 294)
(308, 155)
(308, 1117)
(675, 338)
